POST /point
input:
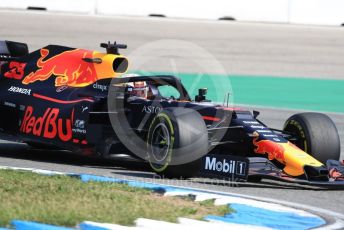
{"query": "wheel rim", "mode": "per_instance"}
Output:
(160, 143)
(301, 141)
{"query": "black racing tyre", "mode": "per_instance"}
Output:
(176, 141)
(316, 134)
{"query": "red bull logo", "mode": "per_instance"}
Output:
(71, 68)
(273, 149)
(68, 68)
(286, 153)
(49, 126)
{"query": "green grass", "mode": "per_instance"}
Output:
(66, 201)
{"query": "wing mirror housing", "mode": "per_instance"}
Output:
(201, 97)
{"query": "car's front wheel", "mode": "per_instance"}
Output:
(316, 134)
(177, 139)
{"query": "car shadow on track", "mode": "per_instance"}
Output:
(25, 152)
(133, 170)
(270, 184)
(148, 174)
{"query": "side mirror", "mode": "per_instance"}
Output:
(201, 95)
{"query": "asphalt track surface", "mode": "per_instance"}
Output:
(243, 48)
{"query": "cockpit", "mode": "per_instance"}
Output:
(152, 88)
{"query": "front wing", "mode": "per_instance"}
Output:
(236, 168)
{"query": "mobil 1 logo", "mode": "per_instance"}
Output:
(229, 167)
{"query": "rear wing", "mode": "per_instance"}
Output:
(10, 50)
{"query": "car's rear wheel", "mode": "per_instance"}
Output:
(177, 139)
(316, 134)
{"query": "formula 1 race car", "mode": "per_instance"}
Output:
(82, 101)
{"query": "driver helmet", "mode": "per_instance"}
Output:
(139, 89)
